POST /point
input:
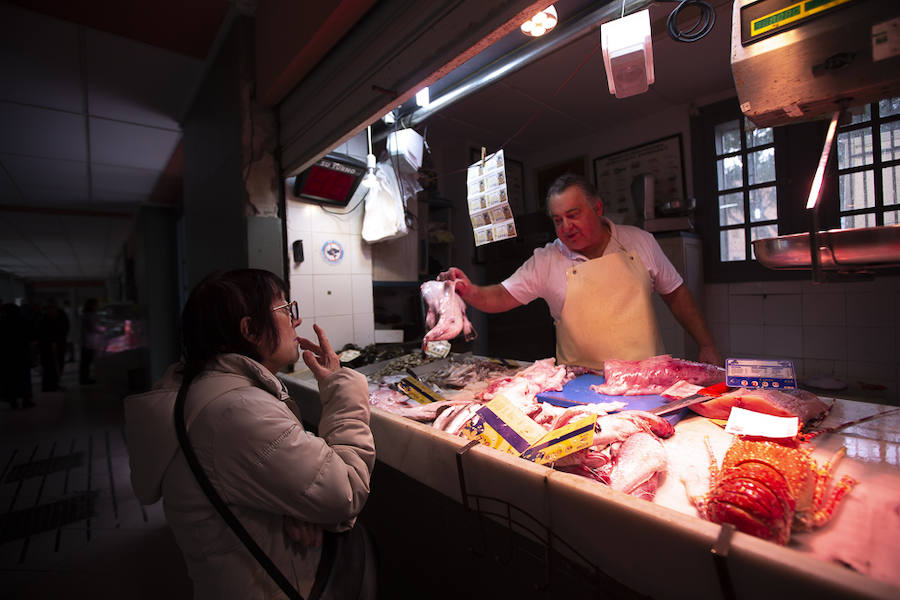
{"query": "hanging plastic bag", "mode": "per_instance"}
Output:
(385, 208)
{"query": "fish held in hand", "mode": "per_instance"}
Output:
(446, 312)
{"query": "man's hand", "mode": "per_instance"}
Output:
(487, 298)
(710, 354)
(320, 358)
(463, 284)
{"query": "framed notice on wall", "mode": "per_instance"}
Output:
(615, 173)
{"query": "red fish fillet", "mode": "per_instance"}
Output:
(792, 403)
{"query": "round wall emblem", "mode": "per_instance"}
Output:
(332, 252)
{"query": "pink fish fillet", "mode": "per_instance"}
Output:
(446, 312)
(654, 375)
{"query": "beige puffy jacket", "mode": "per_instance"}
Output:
(243, 427)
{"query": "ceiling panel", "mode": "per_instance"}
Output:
(128, 145)
(60, 245)
(33, 173)
(41, 132)
(116, 200)
(39, 63)
(48, 198)
(134, 82)
(111, 180)
(133, 91)
(9, 193)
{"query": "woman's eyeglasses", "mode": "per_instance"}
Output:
(290, 308)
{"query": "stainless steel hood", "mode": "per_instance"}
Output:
(800, 60)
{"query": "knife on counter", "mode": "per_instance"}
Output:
(702, 395)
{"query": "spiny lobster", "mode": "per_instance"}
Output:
(769, 488)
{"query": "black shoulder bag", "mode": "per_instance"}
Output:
(351, 549)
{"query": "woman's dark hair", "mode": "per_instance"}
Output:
(211, 320)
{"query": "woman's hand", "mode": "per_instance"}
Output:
(320, 358)
(304, 535)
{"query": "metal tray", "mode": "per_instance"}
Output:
(839, 249)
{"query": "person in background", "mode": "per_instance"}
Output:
(597, 279)
(52, 329)
(15, 356)
(90, 340)
(284, 484)
(68, 345)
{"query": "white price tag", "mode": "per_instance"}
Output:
(681, 390)
(747, 422)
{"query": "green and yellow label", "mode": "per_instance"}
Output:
(418, 391)
(502, 425)
(792, 14)
(561, 442)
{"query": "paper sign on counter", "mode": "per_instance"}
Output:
(681, 389)
(418, 391)
(502, 425)
(747, 422)
(561, 442)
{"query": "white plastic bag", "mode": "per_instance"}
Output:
(385, 210)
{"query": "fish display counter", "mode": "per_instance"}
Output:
(662, 547)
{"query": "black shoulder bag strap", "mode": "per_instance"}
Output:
(216, 500)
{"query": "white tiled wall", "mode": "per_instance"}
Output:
(337, 295)
(850, 331)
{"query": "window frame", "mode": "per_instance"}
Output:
(877, 166)
(745, 189)
(797, 150)
(705, 175)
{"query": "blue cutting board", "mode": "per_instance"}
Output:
(578, 391)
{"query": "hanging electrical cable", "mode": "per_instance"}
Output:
(702, 26)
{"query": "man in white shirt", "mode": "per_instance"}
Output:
(597, 279)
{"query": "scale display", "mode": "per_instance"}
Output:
(760, 373)
(765, 18)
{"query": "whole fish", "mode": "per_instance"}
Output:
(638, 464)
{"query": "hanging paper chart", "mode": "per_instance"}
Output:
(488, 198)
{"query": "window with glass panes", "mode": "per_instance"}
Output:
(868, 151)
(747, 199)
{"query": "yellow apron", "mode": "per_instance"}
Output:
(607, 313)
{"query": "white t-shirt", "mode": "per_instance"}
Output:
(544, 274)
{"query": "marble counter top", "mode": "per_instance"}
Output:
(662, 548)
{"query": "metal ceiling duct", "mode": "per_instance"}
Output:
(532, 51)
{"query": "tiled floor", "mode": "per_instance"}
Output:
(69, 523)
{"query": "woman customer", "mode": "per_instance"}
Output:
(284, 484)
